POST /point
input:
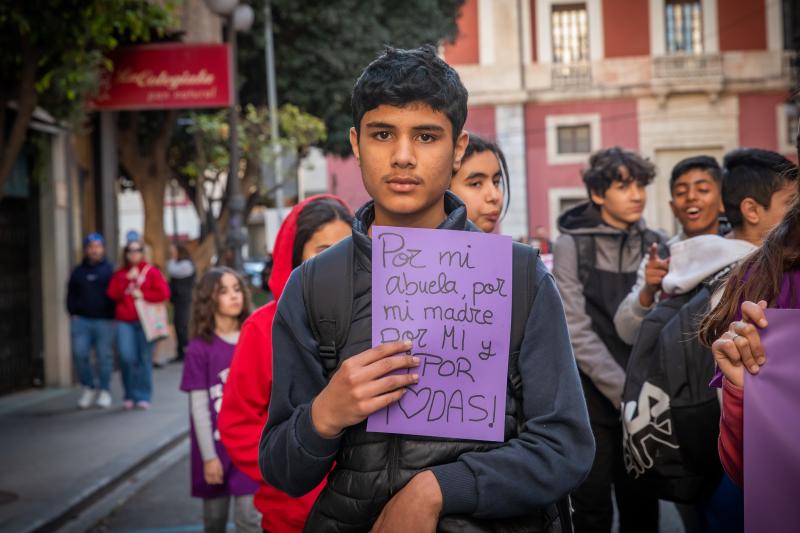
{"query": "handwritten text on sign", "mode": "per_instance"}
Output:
(449, 292)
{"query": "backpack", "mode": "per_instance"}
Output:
(670, 416)
(328, 294)
(586, 251)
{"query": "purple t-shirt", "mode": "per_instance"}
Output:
(206, 367)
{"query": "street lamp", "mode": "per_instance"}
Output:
(240, 18)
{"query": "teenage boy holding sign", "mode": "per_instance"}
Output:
(409, 109)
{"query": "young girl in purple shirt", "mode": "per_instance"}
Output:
(220, 305)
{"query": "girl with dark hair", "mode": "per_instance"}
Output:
(136, 279)
(220, 305)
(770, 277)
(482, 183)
(310, 228)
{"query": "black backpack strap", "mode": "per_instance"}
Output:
(328, 297)
(523, 287)
(714, 281)
(586, 255)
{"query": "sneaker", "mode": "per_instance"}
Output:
(143, 405)
(128, 405)
(86, 399)
(104, 399)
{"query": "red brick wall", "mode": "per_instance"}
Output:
(344, 180)
(626, 28)
(758, 121)
(618, 126)
(480, 120)
(465, 51)
(742, 24)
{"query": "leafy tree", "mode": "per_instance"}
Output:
(322, 45)
(53, 51)
(199, 158)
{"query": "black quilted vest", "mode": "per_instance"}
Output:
(372, 467)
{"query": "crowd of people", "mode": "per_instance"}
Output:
(289, 443)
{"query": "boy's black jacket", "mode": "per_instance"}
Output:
(86, 292)
(478, 480)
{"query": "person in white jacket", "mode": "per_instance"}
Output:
(696, 189)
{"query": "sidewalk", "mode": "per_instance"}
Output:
(55, 456)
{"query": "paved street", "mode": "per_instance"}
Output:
(107, 471)
(162, 506)
(56, 456)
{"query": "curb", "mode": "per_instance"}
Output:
(104, 488)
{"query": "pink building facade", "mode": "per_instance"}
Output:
(555, 80)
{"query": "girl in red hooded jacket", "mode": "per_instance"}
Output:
(311, 227)
(136, 279)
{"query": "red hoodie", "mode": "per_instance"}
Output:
(248, 388)
(154, 289)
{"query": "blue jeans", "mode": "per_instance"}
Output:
(97, 333)
(135, 361)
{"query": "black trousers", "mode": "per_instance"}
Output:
(594, 511)
(181, 310)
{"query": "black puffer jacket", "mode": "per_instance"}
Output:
(372, 467)
(506, 486)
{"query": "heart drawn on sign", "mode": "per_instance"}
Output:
(411, 403)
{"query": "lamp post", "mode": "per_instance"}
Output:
(240, 18)
(272, 98)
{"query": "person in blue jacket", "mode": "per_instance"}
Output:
(92, 325)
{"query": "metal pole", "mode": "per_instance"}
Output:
(174, 190)
(236, 201)
(272, 98)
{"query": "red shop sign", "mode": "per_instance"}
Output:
(166, 76)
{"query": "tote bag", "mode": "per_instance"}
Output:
(152, 316)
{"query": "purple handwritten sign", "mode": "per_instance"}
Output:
(772, 429)
(449, 292)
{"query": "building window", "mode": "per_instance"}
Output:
(788, 115)
(571, 139)
(684, 27)
(560, 199)
(792, 123)
(574, 139)
(570, 29)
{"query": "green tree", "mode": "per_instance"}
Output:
(199, 157)
(321, 46)
(52, 53)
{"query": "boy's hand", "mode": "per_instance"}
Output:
(415, 508)
(654, 273)
(212, 472)
(361, 386)
(740, 347)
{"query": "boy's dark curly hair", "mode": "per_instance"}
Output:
(401, 77)
(604, 169)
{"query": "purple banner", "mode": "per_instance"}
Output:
(449, 292)
(772, 429)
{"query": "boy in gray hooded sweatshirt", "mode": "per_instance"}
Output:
(595, 262)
